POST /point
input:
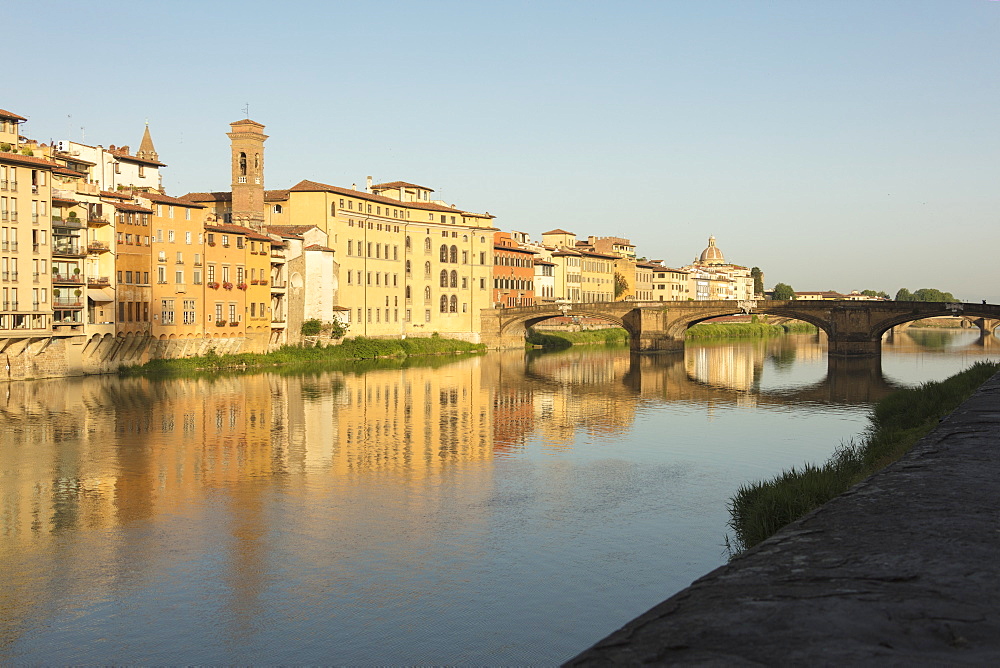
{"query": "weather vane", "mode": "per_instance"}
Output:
(246, 110)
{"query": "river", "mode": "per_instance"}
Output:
(510, 508)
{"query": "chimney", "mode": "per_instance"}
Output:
(354, 186)
(368, 184)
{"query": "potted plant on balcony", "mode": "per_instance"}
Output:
(56, 292)
(76, 273)
(220, 323)
(213, 285)
(227, 285)
(242, 286)
(78, 292)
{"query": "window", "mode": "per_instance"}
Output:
(408, 267)
(427, 295)
(444, 253)
(454, 254)
(239, 242)
(444, 303)
(453, 304)
(444, 279)
(167, 312)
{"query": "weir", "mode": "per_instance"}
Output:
(900, 569)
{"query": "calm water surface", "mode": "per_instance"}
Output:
(504, 509)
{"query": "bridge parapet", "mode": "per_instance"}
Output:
(853, 328)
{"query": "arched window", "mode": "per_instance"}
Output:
(407, 266)
(243, 163)
(408, 246)
(427, 269)
(256, 163)
(407, 291)
(427, 294)
(454, 278)
(427, 245)
(444, 253)
(444, 303)
(277, 208)
(444, 278)
(454, 254)
(453, 308)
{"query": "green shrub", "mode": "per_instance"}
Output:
(311, 327)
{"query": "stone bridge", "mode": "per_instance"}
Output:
(853, 328)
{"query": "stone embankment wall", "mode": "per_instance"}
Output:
(900, 570)
(55, 357)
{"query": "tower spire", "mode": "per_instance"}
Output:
(146, 149)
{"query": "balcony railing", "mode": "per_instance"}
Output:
(98, 247)
(8, 245)
(75, 279)
(84, 188)
(72, 222)
(8, 275)
(98, 281)
(8, 306)
(71, 250)
(97, 221)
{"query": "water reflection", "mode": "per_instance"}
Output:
(371, 516)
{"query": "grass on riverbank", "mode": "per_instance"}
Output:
(612, 336)
(897, 422)
(747, 330)
(357, 348)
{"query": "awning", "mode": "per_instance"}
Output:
(100, 295)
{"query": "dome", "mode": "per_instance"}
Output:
(712, 254)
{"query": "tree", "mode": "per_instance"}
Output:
(758, 280)
(621, 285)
(932, 295)
(904, 295)
(783, 291)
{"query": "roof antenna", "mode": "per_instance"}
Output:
(246, 110)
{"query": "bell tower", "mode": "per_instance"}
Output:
(247, 140)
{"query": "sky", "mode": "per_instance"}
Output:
(836, 144)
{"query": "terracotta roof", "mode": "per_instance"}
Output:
(129, 206)
(317, 247)
(27, 159)
(514, 249)
(565, 253)
(164, 199)
(545, 262)
(289, 230)
(314, 186)
(272, 195)
(399, 184)
(557, 231)
(116, 195)
(67, 172)
(69, 158)
(121, 154)
(10, 114)
(208, 197)
(59, 198)
(237, 229)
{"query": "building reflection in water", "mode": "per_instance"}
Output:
(87, 462)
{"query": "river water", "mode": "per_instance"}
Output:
(501, 509)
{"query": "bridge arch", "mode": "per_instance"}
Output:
(984, 318)
(519, 324)
(680, 326)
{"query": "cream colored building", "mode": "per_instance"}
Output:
(712, 277)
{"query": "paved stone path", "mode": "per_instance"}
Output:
(903, 569)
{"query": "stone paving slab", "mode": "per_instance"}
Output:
(902, 569)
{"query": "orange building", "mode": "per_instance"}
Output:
(513, 272)
(133, 264)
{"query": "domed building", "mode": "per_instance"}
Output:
(711, 255)
(711, 277)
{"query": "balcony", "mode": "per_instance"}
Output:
(72, 222)
(68, 250)
(97, 247)
(70, 302)
(84, 188)
(98, 281)
(8, 276)
(97, 221)
(67, 279)
(8, 306)
(61, 194)
(8, 245)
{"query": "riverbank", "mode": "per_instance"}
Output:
(901, 570)
(357, 348)
(612, 336)
(760, 509)
(747, 330)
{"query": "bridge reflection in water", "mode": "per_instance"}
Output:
(251, 501)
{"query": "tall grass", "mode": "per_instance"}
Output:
(612, 336)
(357, 348)
(898, 421)
(746, 330)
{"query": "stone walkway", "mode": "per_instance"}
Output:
(903, 569)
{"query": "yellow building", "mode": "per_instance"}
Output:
(177, 250)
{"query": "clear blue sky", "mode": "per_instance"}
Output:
(837, 144)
